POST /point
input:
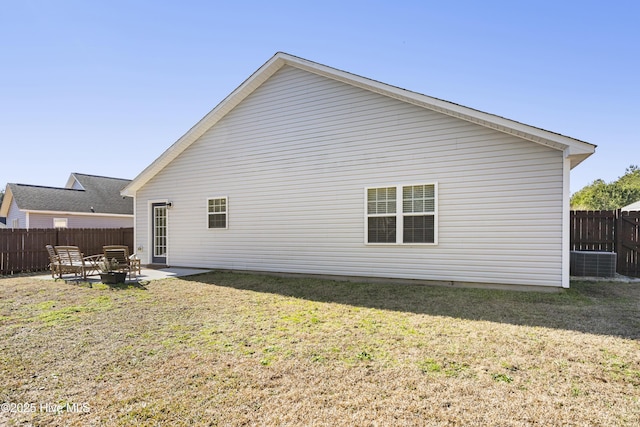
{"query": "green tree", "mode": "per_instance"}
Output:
(602, 196)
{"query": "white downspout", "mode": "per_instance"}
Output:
(566, 221)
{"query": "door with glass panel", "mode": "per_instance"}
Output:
(159, 233)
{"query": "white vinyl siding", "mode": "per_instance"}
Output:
(39, 220)
(297, 153)
(15, 217)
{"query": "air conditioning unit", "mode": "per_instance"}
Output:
(593, 264)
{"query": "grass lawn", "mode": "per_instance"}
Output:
(239, 349)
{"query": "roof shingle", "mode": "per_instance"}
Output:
(99, 195)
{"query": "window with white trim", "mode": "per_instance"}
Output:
(60, 222)
(381, 215)
(217, 212)
(402, 214)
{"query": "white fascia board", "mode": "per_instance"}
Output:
(537, 135)
(226, 105)
(501, 124)
(31, 211)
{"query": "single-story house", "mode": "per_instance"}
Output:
(308, 169)
(87, 201)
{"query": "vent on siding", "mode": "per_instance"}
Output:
(593, 264)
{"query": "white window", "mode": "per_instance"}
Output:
(217, 213)
(15, 223)
(60, 222)
(381, 215)
(402, 214)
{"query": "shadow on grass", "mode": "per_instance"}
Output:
(605, 308)
(127, 285)
(115, 287)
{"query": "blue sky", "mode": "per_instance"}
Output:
(105, 86)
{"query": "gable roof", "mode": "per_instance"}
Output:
(573, 149)
(83, 194)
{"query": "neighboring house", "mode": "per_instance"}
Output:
(86, 201)
(635, 206)
(308, 169)
(3, 222)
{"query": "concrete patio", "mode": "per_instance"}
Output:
(146, 275)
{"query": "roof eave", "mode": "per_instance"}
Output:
(72, 213)
(6, 202)
(576, 159)
(501, 124)
(196, 131)
(537, 135)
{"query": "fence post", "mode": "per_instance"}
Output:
(616, 231)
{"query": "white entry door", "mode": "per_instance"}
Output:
(159, 233)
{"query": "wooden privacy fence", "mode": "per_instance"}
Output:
(609, 231)
(24, 250)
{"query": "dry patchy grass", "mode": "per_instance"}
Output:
(236, 349)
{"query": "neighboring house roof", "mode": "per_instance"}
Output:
(3, 221)
(83, 194)
(574, 149)
(635, 206)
